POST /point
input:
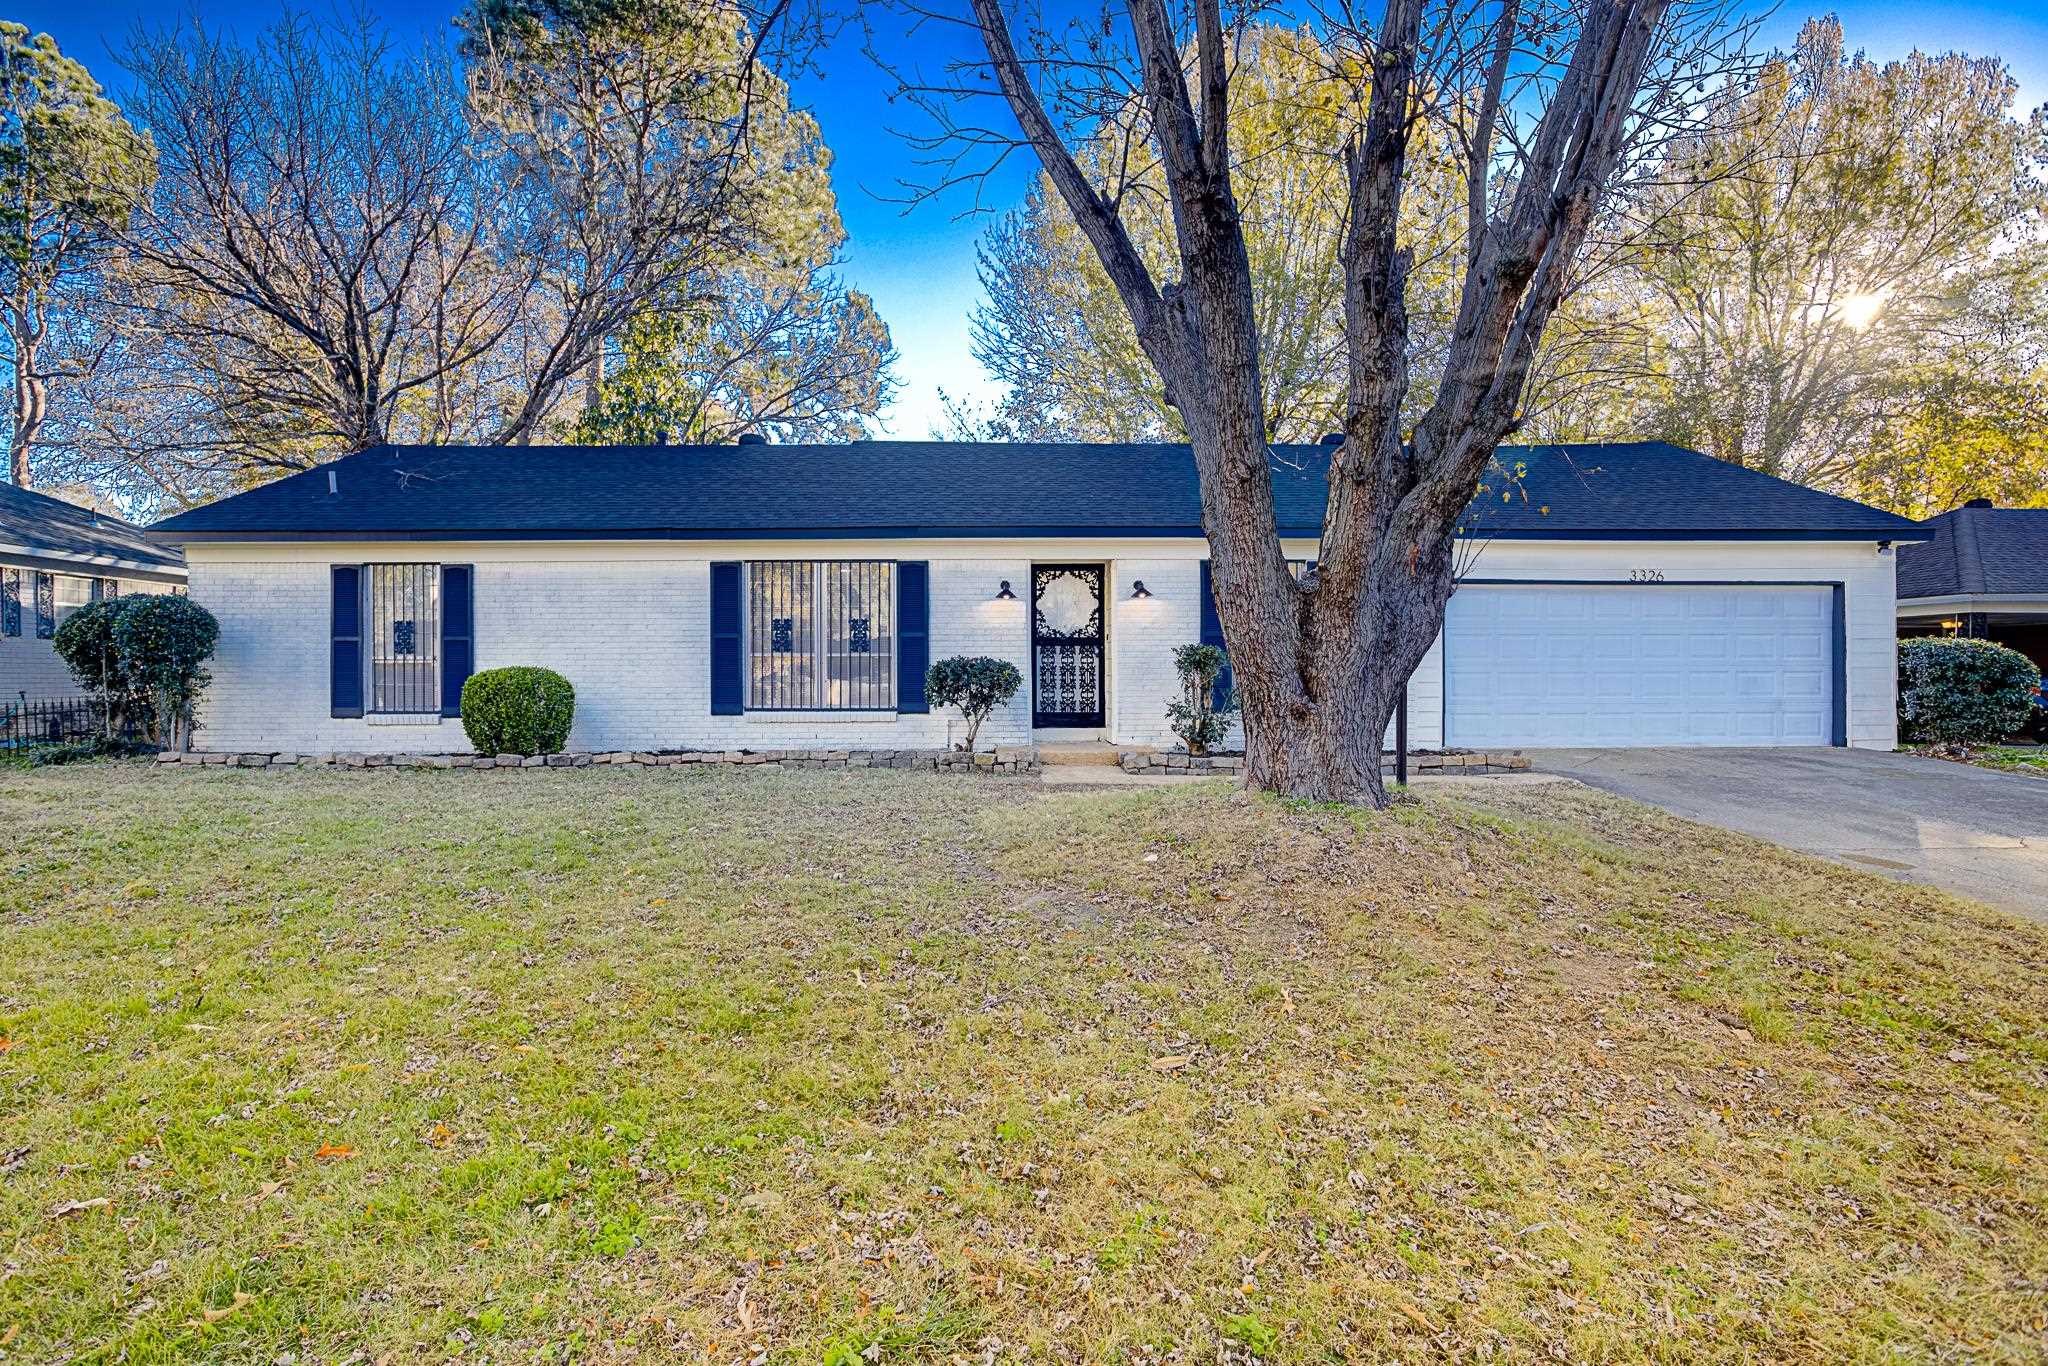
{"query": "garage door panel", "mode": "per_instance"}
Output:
(1753, 649)
(1806, 647)
(1668, 664)
(1659, 687)
(1661, 648)
(1708, 728)
(1704, 651)
(1701, 606)
(1813, 683)
(1711, 689)
(1817, 609)
(1762, 685)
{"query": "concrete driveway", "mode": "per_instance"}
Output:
(1974, 832)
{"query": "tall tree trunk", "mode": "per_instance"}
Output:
(1320, 665)
(31, 409)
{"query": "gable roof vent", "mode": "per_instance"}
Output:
(753, 439)
(1979, 503)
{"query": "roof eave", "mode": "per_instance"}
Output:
(57, 558)
(1904, 534)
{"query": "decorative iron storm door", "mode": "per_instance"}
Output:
(1066, 645)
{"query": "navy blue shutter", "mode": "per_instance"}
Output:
(458, 633)
(913, 633)
(46, 606)
(1212, 634)
(345, 636)
(98, 591)
(10, 602)
(728, 696)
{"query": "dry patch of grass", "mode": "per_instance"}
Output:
(738, 1066)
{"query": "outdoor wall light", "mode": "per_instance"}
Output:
(1139, 590)
(1003, 594)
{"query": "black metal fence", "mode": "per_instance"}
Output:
(27, 721)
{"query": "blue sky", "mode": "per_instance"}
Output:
(919, 265)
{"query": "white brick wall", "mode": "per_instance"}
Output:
(1143, 634)
(632, 635)
(628, 624)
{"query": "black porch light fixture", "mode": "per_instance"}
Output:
(1003, 594)
(1139, 590)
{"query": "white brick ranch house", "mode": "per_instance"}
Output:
(772, 597)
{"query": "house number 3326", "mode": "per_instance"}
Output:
(1646, 576)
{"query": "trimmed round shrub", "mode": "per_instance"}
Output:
(145, 654)
(165, 640)
(518, 710)
(85, 642)
(976, 684)
(1963, 692)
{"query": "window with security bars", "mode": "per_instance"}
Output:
(821, 635)
(404, 615)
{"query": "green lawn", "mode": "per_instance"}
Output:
(833, 1068)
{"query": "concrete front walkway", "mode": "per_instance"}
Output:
(1972, 831)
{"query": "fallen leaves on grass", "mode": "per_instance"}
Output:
(334, 1152)
(1171, 1063)
(71, 1207)
(242, 1300)
(1418, 1318)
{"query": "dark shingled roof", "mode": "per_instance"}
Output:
(885, 489)
(1978, 550)
(50, 528)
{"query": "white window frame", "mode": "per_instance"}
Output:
(59, 609)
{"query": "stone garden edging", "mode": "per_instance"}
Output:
(1005, 761)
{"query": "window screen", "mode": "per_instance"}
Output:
(72, 594)
(821, 635)
(405, 637)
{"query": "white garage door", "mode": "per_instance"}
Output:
(1653, 664)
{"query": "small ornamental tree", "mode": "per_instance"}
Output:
(85, 642)
(1963, 692)
(518, 710)
(976, 684)
(1198, 719)
(163, 641)
(143, 656)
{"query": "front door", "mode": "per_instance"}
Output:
(1066, 645)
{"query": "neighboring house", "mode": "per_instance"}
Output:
(55, 557)
(759, 596)
(1982, 573)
